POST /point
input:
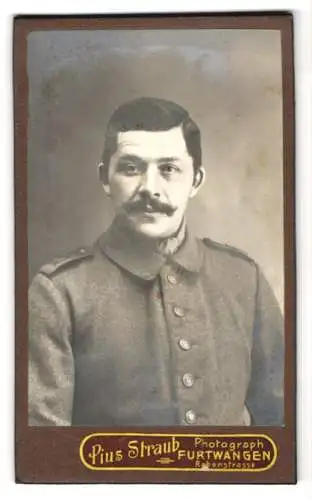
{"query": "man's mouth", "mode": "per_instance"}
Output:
(148, 209)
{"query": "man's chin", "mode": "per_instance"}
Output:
(153, 226)
(152, 229)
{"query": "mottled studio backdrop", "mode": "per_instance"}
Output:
(229, 80)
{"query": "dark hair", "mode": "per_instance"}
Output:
(150, 114)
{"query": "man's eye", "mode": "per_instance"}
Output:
(168, 168)
(129, 168)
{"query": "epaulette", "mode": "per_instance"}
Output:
(61, 263)
(227, 248)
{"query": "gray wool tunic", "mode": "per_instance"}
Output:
(121, 335)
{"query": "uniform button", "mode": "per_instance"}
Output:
(188, 380)
(178, 311)
(172, 279)
(184, 344)
(190, 417)
(82, 250)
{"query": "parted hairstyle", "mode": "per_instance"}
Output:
(150, 114)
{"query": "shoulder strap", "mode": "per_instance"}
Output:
(74, 257)
(227, 248)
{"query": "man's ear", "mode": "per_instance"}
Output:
(103, 176)
(199, 179)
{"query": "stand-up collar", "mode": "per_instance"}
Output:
(140, 256)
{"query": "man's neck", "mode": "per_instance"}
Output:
(144, 257)
(170, 245)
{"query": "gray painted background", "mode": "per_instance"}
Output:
(229, 80)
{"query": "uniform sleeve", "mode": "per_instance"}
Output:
(265, 397)
(51, 365)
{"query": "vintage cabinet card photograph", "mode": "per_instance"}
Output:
(155, 249)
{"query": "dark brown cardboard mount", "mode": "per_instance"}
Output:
(51, 455)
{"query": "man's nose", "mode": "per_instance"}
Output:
(150, 181)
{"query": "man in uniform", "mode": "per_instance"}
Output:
(151, 325)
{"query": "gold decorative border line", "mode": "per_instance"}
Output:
(187, 469)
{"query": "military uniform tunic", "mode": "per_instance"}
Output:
(120, 335)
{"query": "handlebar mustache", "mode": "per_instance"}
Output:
(156, 205)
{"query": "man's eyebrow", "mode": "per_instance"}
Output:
(168, 159)
(163, 159)
(130, 157)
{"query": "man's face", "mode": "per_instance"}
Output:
(151, 179)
